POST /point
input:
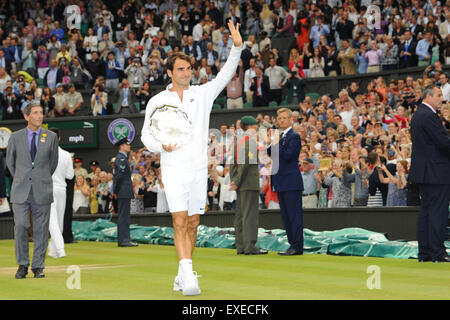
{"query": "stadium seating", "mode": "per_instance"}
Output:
(314, 96)
(248, 105)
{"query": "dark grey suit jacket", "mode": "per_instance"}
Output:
(25, 173)
(131, 98)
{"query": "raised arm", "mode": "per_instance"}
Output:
(215, 87)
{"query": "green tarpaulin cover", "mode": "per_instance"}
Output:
(348, 241)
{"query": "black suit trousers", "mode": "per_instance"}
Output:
(432, 221)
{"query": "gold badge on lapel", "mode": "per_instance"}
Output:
(44, 135)
(250, 155)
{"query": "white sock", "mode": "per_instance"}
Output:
(185, 267)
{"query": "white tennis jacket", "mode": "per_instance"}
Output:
(197, 104)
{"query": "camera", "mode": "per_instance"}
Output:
(155, 164)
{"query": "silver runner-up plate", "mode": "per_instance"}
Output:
(170, 125)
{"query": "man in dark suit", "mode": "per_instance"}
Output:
(2, 180)
(416, 28)
(32, 157)
(95, 66)
(246, 55)
(123, 192)
(287, 180)
(233, 17)
(5, 62)
(408, 57)
(244, 176)
(430, 169)
(260, 87)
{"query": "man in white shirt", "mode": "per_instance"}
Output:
(250, 73)
(197, 31)
(277, 78)
(184, 168)
(445, 86)
(347, 115)
(63, 171)
(444, 27)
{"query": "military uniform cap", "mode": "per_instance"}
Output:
(248, 120)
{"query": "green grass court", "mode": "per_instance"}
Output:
(147, 272)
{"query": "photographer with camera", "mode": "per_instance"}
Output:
(9, 104)
(147, 183)
(135, 73)
(99, 100)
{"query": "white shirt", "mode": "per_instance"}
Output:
(446, 91)
(64, 170)
(197, 32)
(249, 74)
(197, 104)
(284, 133)
(347, 118)
(161, 200)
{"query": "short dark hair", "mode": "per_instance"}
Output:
(27, 109)
(177, 55)
(372, 157)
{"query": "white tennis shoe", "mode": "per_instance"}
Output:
(189, 284)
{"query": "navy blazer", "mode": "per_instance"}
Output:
(122, 184)
(430, 158)
(286, 174)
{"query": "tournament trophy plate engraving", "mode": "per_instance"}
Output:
(170, 125)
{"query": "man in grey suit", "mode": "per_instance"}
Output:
(125, 97)
(32, 157)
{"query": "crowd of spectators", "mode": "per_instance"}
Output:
(117, 57)
(356, 143)
(356, 148)
(92, 190)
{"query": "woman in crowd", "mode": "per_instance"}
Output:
(397, 180)
(90, 43)
(81, 196)
(47, 102)
(94, 194)
(161, 201)
(317, 64)
(137, 204)
(339, 179)
(296, 63)
(99, 100)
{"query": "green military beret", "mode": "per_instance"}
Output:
(248, 120)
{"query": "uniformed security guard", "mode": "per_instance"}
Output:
(123, 192)
(245, 179)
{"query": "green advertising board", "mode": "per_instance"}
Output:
(76, 134)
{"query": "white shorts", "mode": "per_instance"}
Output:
(186, 190)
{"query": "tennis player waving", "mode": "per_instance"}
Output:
(184, 167)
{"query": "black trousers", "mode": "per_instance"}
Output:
(68, 214)
(275, 95)
(123, 222)
(433, 220)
